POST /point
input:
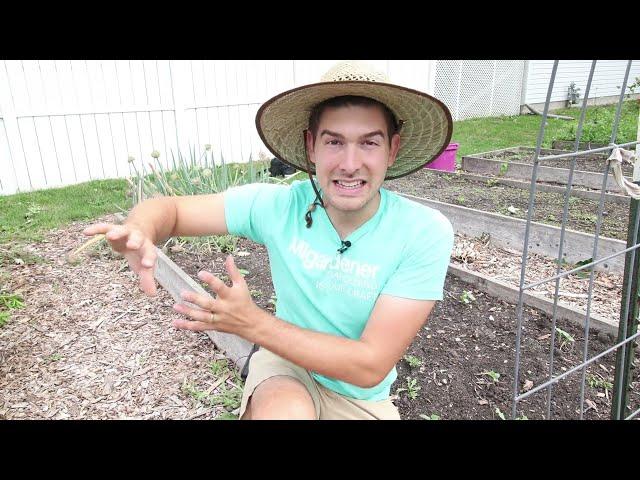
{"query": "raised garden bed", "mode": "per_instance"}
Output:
(504, 230)
(542, 187)
(507, 200)
(497, 270)
(517, 163)
(591, 162)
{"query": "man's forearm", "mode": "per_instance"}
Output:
(156, 218)
(341, 358)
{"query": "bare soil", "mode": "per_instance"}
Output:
(463, 346)
(514, 202)
(89, 345)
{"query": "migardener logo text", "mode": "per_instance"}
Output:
(349, 277)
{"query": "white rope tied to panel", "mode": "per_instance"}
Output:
(616, 159)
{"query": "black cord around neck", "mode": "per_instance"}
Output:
(318, 200)
(310, 210)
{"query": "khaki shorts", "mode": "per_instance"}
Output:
(329, 404)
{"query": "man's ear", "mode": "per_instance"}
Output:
(395, 146)
(309, 144)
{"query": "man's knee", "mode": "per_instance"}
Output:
(280, 398)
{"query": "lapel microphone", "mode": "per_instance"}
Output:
(344, 246)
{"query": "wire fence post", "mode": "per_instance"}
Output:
(629, 319)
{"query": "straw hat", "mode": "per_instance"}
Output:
(425, 132)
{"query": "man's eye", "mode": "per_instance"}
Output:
(371, 143)
(333, 142)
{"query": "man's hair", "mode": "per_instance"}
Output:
(351, 101)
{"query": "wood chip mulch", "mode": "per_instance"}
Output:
(480, 256)
(90, 345)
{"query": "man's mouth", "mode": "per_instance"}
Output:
(349, 184)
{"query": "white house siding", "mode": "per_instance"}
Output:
(64, 122)
(608, 75)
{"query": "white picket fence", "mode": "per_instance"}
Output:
(65, 122)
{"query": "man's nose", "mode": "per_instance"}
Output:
(352, 160)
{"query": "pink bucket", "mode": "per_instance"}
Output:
(447, 159)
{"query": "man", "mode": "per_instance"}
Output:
(356, 269)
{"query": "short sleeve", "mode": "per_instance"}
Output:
(423, 268)
(252, 210)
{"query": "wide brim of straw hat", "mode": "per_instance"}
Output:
(426, 130)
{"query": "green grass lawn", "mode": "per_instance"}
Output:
(26, 216)
(478, 135)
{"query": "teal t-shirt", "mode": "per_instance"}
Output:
(403, 250)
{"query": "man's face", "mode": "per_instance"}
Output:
(351, 153)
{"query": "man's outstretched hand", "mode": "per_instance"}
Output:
(232, 311)
(137, 248)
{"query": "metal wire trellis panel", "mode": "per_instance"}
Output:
(624, 337)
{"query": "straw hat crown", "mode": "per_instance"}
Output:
(353, 71)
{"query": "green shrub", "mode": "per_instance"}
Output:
(598, 124)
